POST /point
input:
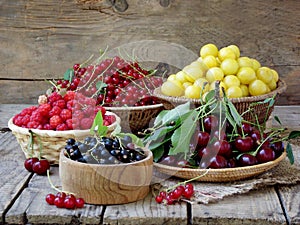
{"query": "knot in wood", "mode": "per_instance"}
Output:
(119, 5)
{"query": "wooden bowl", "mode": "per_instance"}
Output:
(49, 143)
(219, 175)
(107, 184)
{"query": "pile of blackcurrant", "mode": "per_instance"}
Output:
(104, 150)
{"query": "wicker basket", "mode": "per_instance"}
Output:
(219, 175)
(136, 118)
(241, 104)
(48, 143)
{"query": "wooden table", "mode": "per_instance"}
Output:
(22, 195)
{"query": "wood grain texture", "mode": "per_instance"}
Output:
(40, 40)
(260, 207)
(13, 176)
(145, 211)
(31, 207)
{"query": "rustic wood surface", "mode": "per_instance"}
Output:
(41, 39)
(23, 194)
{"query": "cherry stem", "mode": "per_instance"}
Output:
(187, 181)
(54, 187)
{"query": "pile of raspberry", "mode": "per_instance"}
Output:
(72, 111)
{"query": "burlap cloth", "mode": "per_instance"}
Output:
(283, 174)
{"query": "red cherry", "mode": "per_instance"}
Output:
(70, 203)
(244, 144)
(50, 199)
(210, 122)
(159, 199)
(40, 167)
(79, 202)
(203, 138)
(29, 162)
(218, 162)
(246, 127)
(59, 202)
(265, 154)
(223, 148)
(188, 193)
(247, 160)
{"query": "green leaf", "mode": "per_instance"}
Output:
(210, 95)
(176, 113)
(277, 119)
(69, 74)
(100, 85)
(98, 125)
(182, 136)
(289, 152)
(159, 133)
(294, 134)
(234, 113)
(159, 118)
(158, 153)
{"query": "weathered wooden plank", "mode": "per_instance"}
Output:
(32, 207)
(290, 195)
(41, 39)
(13, 175)
(259, 207)
(145, 211)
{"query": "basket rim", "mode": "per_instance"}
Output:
(123, 108)
(279, 90)
(223, 170)
(52, 133)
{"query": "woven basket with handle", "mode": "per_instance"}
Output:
(48, 143)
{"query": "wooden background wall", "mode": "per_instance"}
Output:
(40, 39)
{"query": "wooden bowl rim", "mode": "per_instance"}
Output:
(53, 133)
(68, 160)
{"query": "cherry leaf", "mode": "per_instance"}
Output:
(69, 74)
(294, 134)
(290, 154)
(98, 125)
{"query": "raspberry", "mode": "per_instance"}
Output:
(60, 103)
(69, 123)
(55, 121)
(70, 104)
(32, 124)
(44, 109)
(78, 115)
(70, 95)
(54, 97)
(28, 110)
(55, 111)
(90, 101)
(66, 114)
(86, 123)
(17, 120)
(36, 116)
(25, 119)
(110, 119)
(47, 127)
(88, 111)
(62, 127)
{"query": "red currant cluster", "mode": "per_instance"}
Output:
(38, 166)
(68, 112)
(176, 194)
(63, 200)
(114, 82)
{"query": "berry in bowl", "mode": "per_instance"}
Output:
(106, 170)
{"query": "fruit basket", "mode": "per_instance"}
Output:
(136, 118)
(107, 183)
(219, 175)
(261, 110)
(49, 143)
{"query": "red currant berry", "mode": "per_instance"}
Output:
(159, 199)
(50, 199)
(59, 202)
(79, 203)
